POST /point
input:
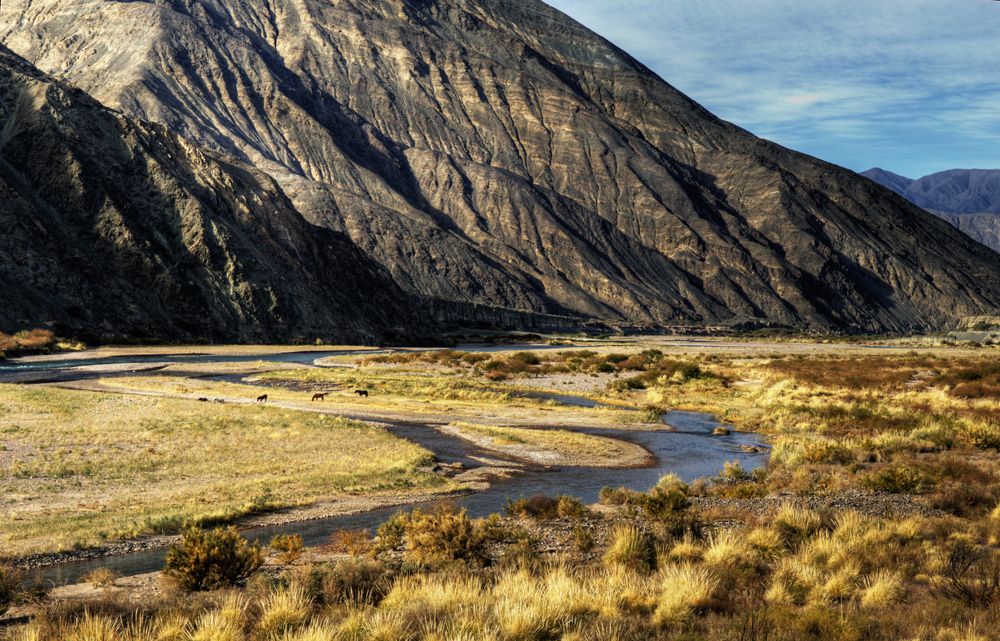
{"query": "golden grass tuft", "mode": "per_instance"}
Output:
(632, 548)
(686, 588)
(282, 612)
(881, 589)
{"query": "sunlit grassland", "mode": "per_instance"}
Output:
(907, 424)
(572, 448)
(78, 468)
(802, 575)
(416, 392)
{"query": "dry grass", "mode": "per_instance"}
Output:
(67, 455)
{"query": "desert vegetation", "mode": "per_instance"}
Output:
(665, 574)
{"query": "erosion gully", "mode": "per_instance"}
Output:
(686, 446)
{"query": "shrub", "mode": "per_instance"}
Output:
(392, 532)
(290, 547)
(541, 506)
(208, 560)
(10, 584)
(101, 577)
(354, 542)
(571, 508)
(583, 540)
(733, 471)
(665, 504)
(970, 572)
(900, 479)
(442, 533)
(494, 529)
(357, 581)
(620, 496)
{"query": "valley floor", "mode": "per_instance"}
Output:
(900, 442)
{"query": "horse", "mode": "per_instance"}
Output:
(262, 398)
(203, 399)
(319, 397)
(361, 392)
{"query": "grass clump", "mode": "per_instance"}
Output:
(209, 560)
(631, 548)
(686, 589)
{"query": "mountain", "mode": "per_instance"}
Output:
(967, 198)
(956, 191)
(113, 226)
(983, 228)
(895, 182)
(497, 152)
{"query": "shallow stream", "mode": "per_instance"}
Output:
(689, 449)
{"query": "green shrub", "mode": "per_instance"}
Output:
(620, 496)
(542, 506)
(208, 560)
(355, 581)
(392, 532)
(583, 540)
(442, 533)
(290, 547)
(900, 479)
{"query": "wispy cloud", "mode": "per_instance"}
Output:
(909, 85)
(805, 100)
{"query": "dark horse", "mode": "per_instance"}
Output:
(262, 398)
(361, 392)
(319, 397)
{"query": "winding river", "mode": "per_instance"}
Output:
(687, 448)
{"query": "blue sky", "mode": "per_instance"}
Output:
(912, 86)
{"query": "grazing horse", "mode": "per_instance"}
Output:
(262, 398)
(361, 392)
(319, 397)
(203, 399)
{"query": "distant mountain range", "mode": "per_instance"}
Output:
(967, 198)
(485, 159)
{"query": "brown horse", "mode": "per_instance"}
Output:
(262, 398)
(361, 392)
(319, 397)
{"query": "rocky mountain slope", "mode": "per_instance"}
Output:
(967, 198)
(115, 226)
(495, 151)
(983, 228)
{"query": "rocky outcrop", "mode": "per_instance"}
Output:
(117, 227)
(498, 153)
